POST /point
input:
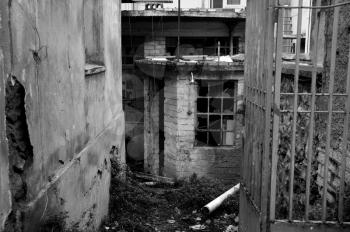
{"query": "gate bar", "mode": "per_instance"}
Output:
(312, 116)
(316, 111)
(295, 113)
(314, 7)
(330, 109)
(265, 169)
(345, 148)
(317, 94)
(276, 115)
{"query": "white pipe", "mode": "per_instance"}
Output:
(213, 205)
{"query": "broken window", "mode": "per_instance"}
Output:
(216, 108)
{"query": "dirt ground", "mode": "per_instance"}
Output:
(135, 206)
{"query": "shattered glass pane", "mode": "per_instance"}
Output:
(229, 89)
(202, 122)
(228, 105)
(201, 138)
(202, 105)
(214, 138)
(228, 138)
(215, 122)
(215, 89)
(227, 122)
(215, 105)
(203, 88)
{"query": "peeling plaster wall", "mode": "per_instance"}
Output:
(75, 123)
(152, 125)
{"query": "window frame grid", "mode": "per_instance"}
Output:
(207, 114)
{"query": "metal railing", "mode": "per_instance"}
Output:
(312, 117)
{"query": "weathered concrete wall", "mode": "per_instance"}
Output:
(181, 157)
(152, 125)
(75, 123)
(5, 192)
(170, 127)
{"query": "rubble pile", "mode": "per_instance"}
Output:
(141, 205)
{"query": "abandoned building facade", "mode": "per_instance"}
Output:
(252, 92)
(182, 117)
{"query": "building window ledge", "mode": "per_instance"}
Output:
(93, 69)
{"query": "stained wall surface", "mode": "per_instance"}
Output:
(75, 122)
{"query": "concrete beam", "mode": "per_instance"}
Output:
(196, 13)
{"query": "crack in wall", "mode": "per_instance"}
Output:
(20, 149)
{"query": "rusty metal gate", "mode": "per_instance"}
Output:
(296, 161)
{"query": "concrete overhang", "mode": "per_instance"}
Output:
(199, 69)
(194, 13)
(305, 68)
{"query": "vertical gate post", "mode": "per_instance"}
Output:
(312, 116)
(268, 74)
(330, 109)
(276, 113)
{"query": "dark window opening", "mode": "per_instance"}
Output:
(216, 109)
(302, 45)
(132, 48)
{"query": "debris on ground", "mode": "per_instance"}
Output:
(167, 205)
(231, 228)
(198, 227)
